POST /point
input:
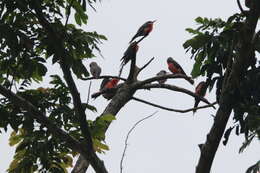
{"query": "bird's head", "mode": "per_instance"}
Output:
(92, 64)
(169, 60)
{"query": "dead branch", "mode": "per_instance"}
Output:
(170, 109)
(142, 68)
(168, 76)
(175, 88)
(103, 77)
(127, 136)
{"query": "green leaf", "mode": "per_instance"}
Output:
(77, 19)
(14, 138)
(108, 117)
(99, 146)
(90, 107)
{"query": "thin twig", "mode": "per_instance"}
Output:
(167, 76)
(69, 8)
(103, 77)
(141, 39)
(89, 91)
(106, 90)
(170, 109)
(127, 136)
(145, 66)
(177, 89)
(240, 7)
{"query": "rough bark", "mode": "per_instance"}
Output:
(208, 150)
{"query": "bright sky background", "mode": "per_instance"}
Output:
(168, 142)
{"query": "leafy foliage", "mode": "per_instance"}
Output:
(26, 50)
(215, 47)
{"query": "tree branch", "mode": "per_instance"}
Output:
(104, 77)
(208, 150)
(240, 8)
(142, 68)
(42, 119)
(170, 109)
(175, 88)
(103, 91)
(127, 136)
(60, 51)
(123, 95)
(167, 76)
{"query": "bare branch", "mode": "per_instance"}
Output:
(170, 109)
(168, 76)
(141, 69)
(103, 91)
(69, 11)
(89, 91)
(103, 77)
(240, 7)
(175, 88)
(127, 136)
(140, 39)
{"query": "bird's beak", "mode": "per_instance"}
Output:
(154, 21)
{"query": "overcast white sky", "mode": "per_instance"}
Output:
(168, 142)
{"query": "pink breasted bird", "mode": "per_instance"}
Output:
(174, 67)
(95, 70)
(108, 84)
(161, 73)
(200, 90)
(144, 30)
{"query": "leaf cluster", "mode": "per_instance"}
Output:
(215, 46)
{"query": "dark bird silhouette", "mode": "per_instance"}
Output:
(108, 84)
(144, 30)
(129, 54)
(95, 70)
(161, 73)
(200, 90)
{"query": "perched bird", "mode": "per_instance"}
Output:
(130, 53)
(108, 84)
(174, 67)
(95, 70)
(144, 30)
(161, 73)
(200, 90)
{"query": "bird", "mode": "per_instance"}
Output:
(108, 83)
(144, 30)
(95, 70)
(200, 90)
(129, 54)
(174, 67)
(161, 73)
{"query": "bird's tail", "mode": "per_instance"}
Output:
(121, 69)
(191, 81)
(196, 105)
(133, 39)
